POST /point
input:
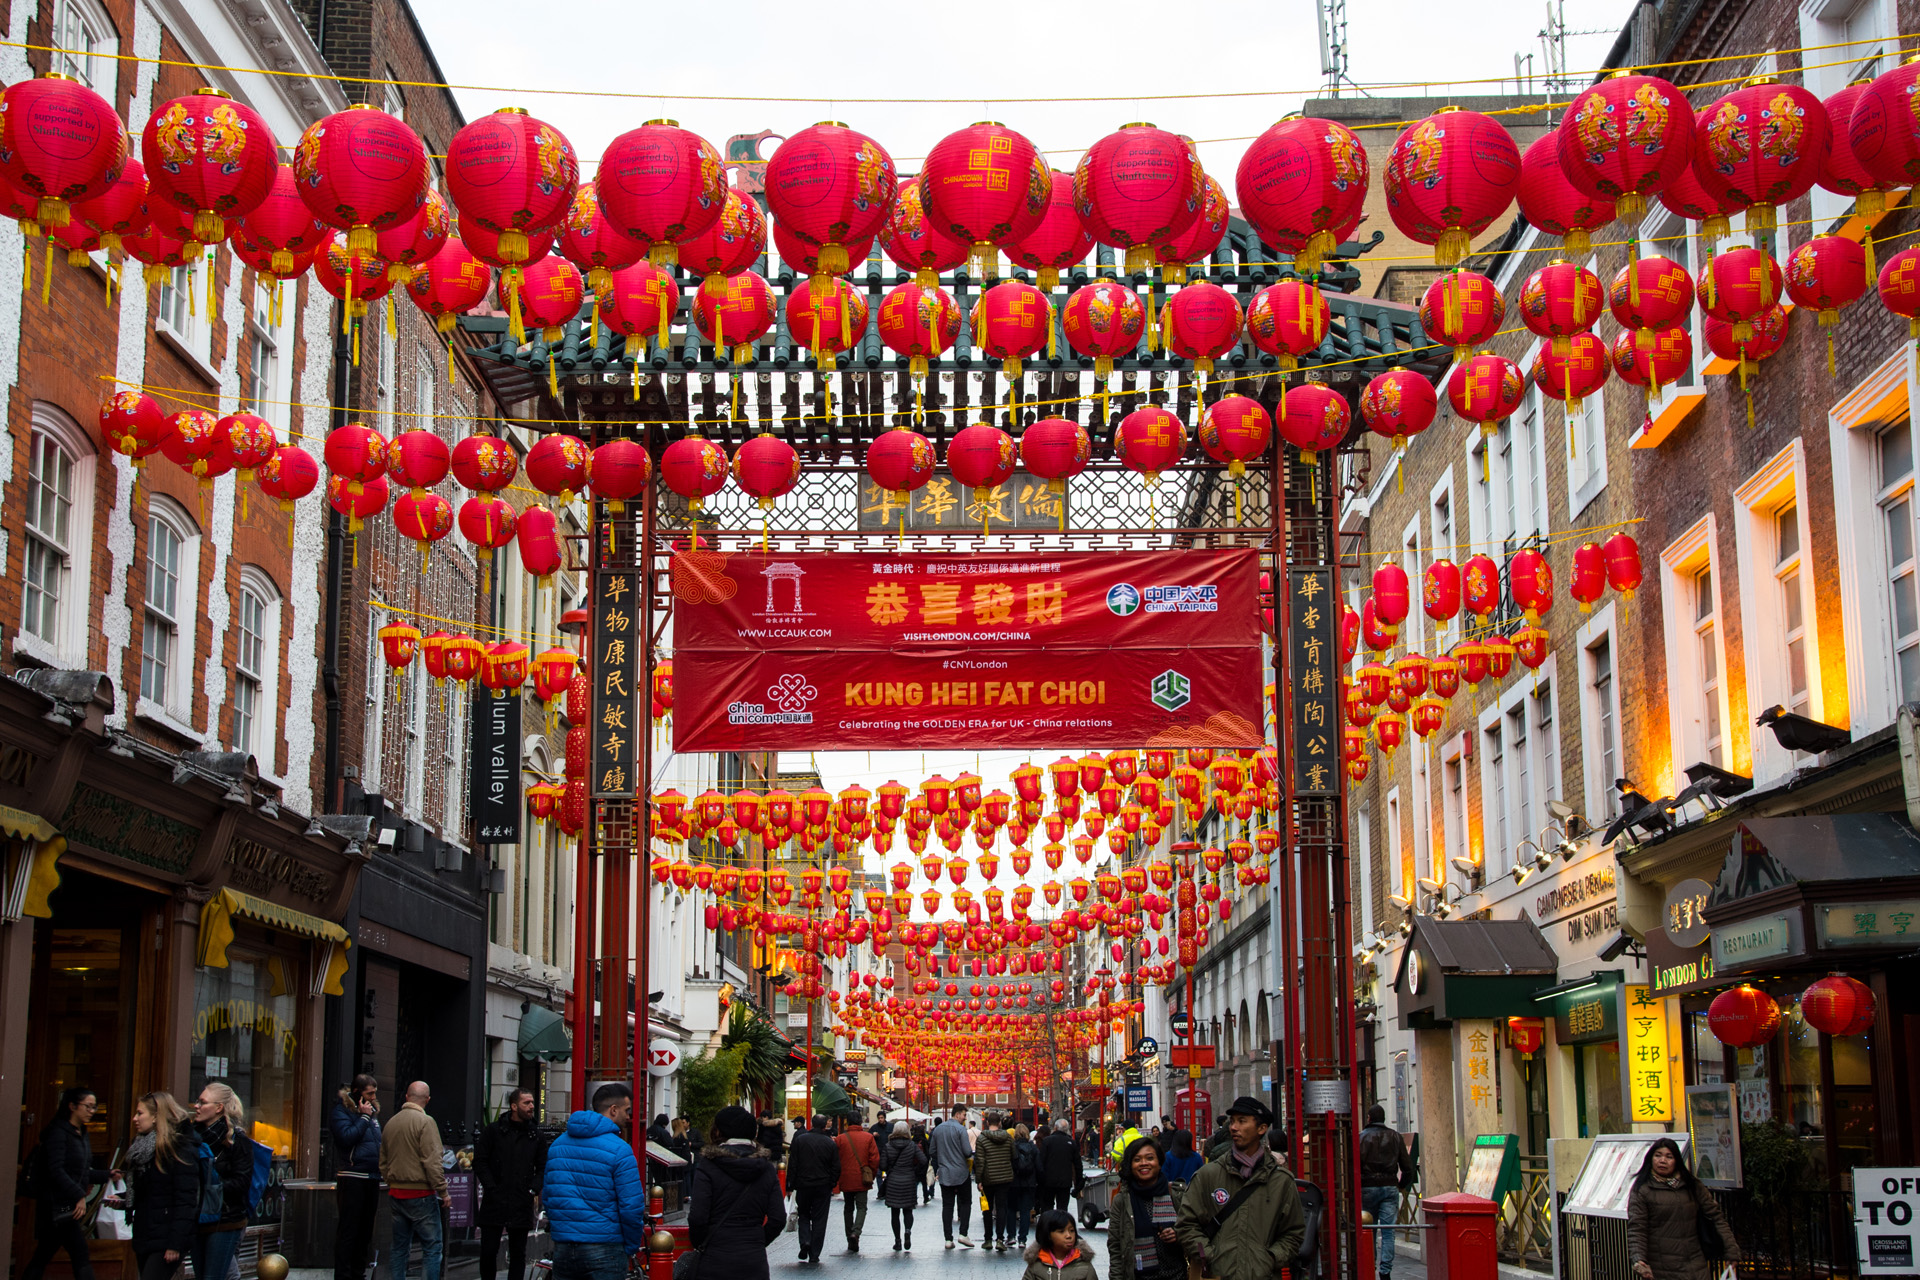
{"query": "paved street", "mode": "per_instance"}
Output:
(876, 1247)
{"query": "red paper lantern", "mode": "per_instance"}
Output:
(1104, 320)
(1480, 586)
(487, 521)
(1235, 430)
(1761, 146)
(211, 156)
(195, 445)
(981, 456)
(559, 465)
(986, 186)
(361, 171)
(504, 669)
(832, 187)
(734, 312)
(1899, 286)
(355, 279)
(1560, 300)
(1391, 599)
(832, 324)
(1881, 130)
(1623, 563)
(1148, 441)
(1440, 591)
(1768, 335)
(1202, 323)
(1555, 205)
(1448, 178)
(247, 441)
(416, 241)
(1462, 309)
(60, 142)
(159, 251)
(1743, 1017)
(1202, 236)
(399, 644)
(485, 463)
(1288, 320)
(514, 175)
(695, 468)
(1398, 404)
(1742, 285)
(918, 323)
(732, 244)
(1137, 189)
(914, 244)
(1486, 389)
(900, 461)
(1577, 374)
(1302, 185)
(1838, 1006)
(288, 476)
(132, 424)
(1843, 173)
(120, 210)
(1314, 417)
(1652, 362)
(1530, 580)
(661, 186)
(450, 284)
(1443, 674)
(553, 676)
(423, 517)
(1651, 293)
(358, 507)
(1058, 241)
(282, 222)
(766, 467)
(1012, 320)
(639, 301)
(1825, 274)
(1588, 581)
(356, 455)
(537, 532)
(621, 472)
(1055, 449)
(1624, 138)
(590, 241)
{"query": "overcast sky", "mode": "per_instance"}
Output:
(985, 49)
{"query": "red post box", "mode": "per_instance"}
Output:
(1464, 1243)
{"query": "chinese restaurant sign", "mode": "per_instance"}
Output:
(1648, 1065)
(850, 652)
(944, 505)
(614, 671)
(494, 783)
(1315, 672)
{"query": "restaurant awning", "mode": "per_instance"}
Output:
(216, 934)
(31, 862)
(543, 1034)
(1471, 969)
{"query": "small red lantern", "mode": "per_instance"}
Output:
(487, 521)
(1685, 196)
(485, 463)
(621, 472)
(661, 186)
(288, 476)
(734, 311)
(504, 669)
(1427, 716)
(211, 156)
(915, 244)
(410, 244)
(424, 517)
(357, 279)
(1137, 189)
(1838, 1006)
(194, 445)
(1486, 389)
(900, 461)
(981, 456)
(1448, 178)
(120, 210)
(1397, 404)
(361, 171)
(1376, 635)
(60, 142)
(1825, 274)
(1761, 146)
(551, 292)
(1555, 205)
(1104, 320)
(832, 324)
(1302, 185)
(1440, 591)
(418, 459)
(695, 468)
(1202, 323)
(1314, 417)
(1624, 138)
(132, 424)
(1055, 449)
(1235, 430)
(1652, 361)
(370, 500)
(590, 241)
(1149, 440)
(1574, 376)
(766, 468)
(918, 323)
(1742, 285)
(1743, 1017)
(639, 301)
(1480, 586)
(450, 284)
(1769, 334)
(1462, 309)
(559, 465)
(1588, 581)
(1651, 293)
(1012, 320)
(1410, 673)
(282, 223)
(1623, 563)
(1500, 652)
(1389, 732)
(1530, 645)
(1443, 675)
(399, 644)
(1058, 241)
(1201, 238)
(1530, 580)
(1560, 300)
(1391, 599)
(1899, 286)
(732, 244)
(512, 174)
(1288, 320)
(537, 531)
(247, 441)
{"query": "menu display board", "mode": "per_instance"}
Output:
(1713, 1120)
(1605, 1180)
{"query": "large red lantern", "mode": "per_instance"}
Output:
(733, 243)
(1651, 293)
(485, 463)
(415, 241)
(1313, 417)
(1397, 404)
(1574, 376)
(914, 243)
(1202, 323)
(918, 323)
(1899, 286)
(449, 285)
(829, 325)
(1588, 581)
(1104, 320)
(1480, 585)
(1440, 591)
(550, 296)
(734, 312)
(1761, 146)
(766, 467)
(1843, 173)
(661, 186)
(1149, 440)
(695, 468)
(1838, 1006)
(832, 187)
(60, 142)
(1202, 236)
(361, 171)
(1058, 241)
(640, 301)
(1624, 138)
(900, 461)
(590, 242)
(1652, 362)
(1555, 205)
(1235, 430)
(512, 174)
(1530, 580)
(1486, 389)
(288, 476)
(1056, 449)
(1448, 178)
(1743, 1017)
(621, 472)
(424, 518)
(1462, 309)
(981, 456)
(1742, 284)
(132, 424)
(986, 186)
(559, 465)
(1288, 320)
(1560, 300)
(1823, 275)
(1137, 189)
(1012, 320)
(211, 156)
(1302, 185)
(1623, 563)
(1883, 133)
(195, 445)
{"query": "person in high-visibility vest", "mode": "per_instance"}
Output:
(1126, 1136)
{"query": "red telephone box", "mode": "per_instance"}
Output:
(1193, 1111)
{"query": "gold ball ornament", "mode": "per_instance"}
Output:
(272, 1266)
(661, 1241)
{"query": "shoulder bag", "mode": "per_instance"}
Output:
(1196, 1270)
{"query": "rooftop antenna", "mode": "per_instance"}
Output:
(1553, 46)
(1332, 15)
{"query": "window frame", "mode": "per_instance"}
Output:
(102, 65)
(1826, 22)
(257, 584)
(73, 609)
(1534, 759)
(1681, 563)
(174, 708)
(373, 736)
(1853, 425)
(191, 335)
(1601, 798)
(1780, 481)
(271, 392)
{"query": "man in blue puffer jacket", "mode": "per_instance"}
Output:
(356, 1189)
(596, 1204)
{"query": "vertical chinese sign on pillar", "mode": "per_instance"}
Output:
(614, 670)
(1648, 1064)
(1476, 1052)
(1313, 667)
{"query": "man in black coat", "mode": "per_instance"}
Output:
(1059, 1167)
(510, 1162)
(813, 1167)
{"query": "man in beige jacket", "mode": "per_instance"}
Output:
(413, 1167)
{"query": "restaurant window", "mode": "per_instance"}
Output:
(1709, 1055)
(1597, 1068)
(246, 1032)
(59, 521)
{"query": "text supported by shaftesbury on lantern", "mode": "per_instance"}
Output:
(851, 652)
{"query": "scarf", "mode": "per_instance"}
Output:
(1057, 1263)
(140, 1154)
(1153, 1212)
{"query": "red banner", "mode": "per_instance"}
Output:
(849, 652)
(975, 1082)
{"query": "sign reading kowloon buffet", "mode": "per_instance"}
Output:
(855, 652)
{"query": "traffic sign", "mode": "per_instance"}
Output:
(1181, 1023)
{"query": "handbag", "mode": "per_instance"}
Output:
(1196, 1270)
(1712, 1247)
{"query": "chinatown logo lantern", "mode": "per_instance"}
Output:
(550, 296)
(1651, 293)
(1838, 1006)
(1761, 146)
(1462, 309)
(1302, 185)
(1558, 301)
(1137, 189)
(211, 156)
(1574, 376)
(450, 284)
(1555, 205)
(1652, 362)
(1743, 1017)
(1448, 178)
(661, 186)
(1624, 138)
(1398, 404)
(831, 187)
(1058, 241)
(1741, 285)
(639, 302)
(1288, 320)
(1486, 389)
(1148, 441)
(1011, 321)
(987, 187)
(1314, 417)
(1899, 286)
(1235, 430)
(1202, 323)
(918, 324)
(914, 243)
(826, 321)
(1769, 334)
(513, 175)
(361, 171)
(1823, 275)
(734, 311)
(60, 142)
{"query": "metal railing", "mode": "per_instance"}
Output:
(1775, 1243)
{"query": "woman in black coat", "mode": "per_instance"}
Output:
(737, 1209)
(66, 1178)
(163, 1175)
(903, 1167)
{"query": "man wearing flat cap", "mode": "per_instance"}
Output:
(1241, 1217)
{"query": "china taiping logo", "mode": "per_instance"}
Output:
(787, 701)
(1183, 599)
(1123, 599)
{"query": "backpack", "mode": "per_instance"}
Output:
(33, 1174)
(213, 1190)
(1025, 1162)
(262, 1172)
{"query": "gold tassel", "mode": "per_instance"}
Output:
(356, 343)
(1052, 336)
(346, 317)
(450, 378)
(46, 276)
(593, 323)
(213, 296)
(666, 321)
(393, 328)
(111, 268)
(553, 376)
(28, 284)
(193, 291)
(511, 279)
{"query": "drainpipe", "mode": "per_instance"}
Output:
(336, 585)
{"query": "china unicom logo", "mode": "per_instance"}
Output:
(1171, 690)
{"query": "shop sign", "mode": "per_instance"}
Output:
(1676, 968)
(495, 785)
(1884, 1220)
(617, 723)
(982, 1082)
(258, 869)
(1477, 1065)
(1761, 938)
(1588, 1015)
(944, 505)
(1713, 1118)
(127, 830)
(1313, 664)
(1493, 1166)
(1140, 1098)
(1575, 891)
(663, 1057)
(1685, 922)
(1868, 924)
(1649, 1065)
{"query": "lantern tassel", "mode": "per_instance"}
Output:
(666, 321)
(1830, 370)
(553, 375)
(593, 323)
(511, 278)
(46, 276)
(393, 327)
(346, 309)
(450, 378)
(1053, 336)
(356, 345)
(27, 284)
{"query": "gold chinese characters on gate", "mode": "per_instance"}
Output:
(615, 682)
(945, 504)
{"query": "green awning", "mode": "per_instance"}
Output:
(543, 1034)
(829, 1099)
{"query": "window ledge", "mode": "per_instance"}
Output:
(38, 650)
(1582, 497)
(180, 347)
(1675, 403)
(165, 718)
